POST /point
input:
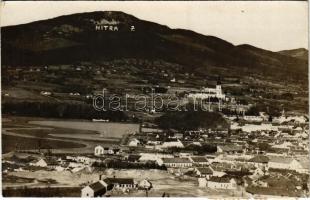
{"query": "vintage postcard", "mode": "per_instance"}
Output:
(155, 99)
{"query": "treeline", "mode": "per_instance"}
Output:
(191, 119)
(61, 110)
(43, 192)
(197, 149)
(116, 164)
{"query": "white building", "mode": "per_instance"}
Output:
(199, 160)
(222, 183)
(205, 172)
(153, 156)
(99, 150)
(206, 93)
(175, 162)
(202, 182)
(278, 162)
(172, 143)
(134, 142)
(39, 163)
(96, 189)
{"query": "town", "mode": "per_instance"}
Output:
(105, 104)
(249, 155)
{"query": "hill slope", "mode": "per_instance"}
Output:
(73, 38)
(296, 53)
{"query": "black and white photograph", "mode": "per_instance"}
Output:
(155, 99)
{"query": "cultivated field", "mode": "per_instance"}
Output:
(162, 181)
(18, 134)
(116, 130)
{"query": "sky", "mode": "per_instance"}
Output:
(272, 25)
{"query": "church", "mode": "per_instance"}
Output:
(206, 93)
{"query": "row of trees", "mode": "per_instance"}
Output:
(60, 110)
(116, 164)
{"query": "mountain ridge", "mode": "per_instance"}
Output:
(73, 38)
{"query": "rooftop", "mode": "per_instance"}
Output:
(97, 186)
(199, 159)
(176, 160)
(259, 159)
(119, 181)
(205, 170)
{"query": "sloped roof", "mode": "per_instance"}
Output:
(119, 181)
(231, 147)
(259, 159)
(219, 179)
(305, 162)
(205, 170)
(176, 160)
(199, 159)
(280, 159)
(97, 186)
(133, 157)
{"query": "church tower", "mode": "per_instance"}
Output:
(218, 86)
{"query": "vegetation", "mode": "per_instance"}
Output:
(127, 165)
(200, 150)
(60, 110)
(13, 143)
(191, 120)
(43, 192)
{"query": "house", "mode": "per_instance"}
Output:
(133, 158)
(222, 183)
(258, 172)
(85, 160)
(51, 163)
(134, 142)
(145, 184)
(199, 160)
(119, 183)
(153, 156)
(202, 182)
(304, 165)
(260, 161)
(175, 162)
(173, 142)
(96, 189)
(284, 145)
(279, 162)
(38, 163)
(230, 149)
(205, 172)
(99, 150)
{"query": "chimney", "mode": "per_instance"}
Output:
(100, 176)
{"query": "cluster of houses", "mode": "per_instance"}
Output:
(105, 187)
(244, 155)
(102, 186)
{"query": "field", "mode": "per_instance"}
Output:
(162, 181)
(116, 130)
(66, 137)
(43, 192)
(12, 143)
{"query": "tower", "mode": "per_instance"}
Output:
(218, 86)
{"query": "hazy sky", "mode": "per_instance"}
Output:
(269, 25)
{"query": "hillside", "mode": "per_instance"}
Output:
(300, 53)
(74, 57)
(73, 38)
